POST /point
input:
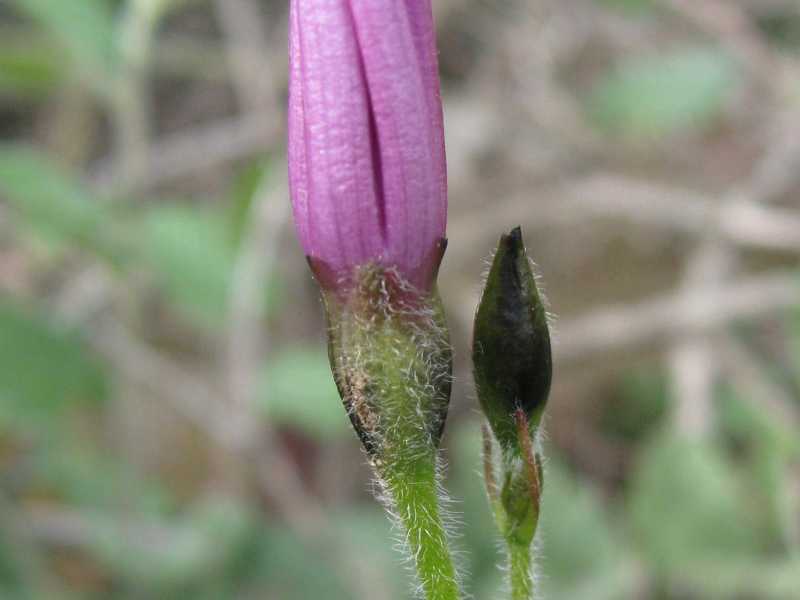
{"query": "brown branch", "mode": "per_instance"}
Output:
(670, 317)
(744, 222)
(187, 152)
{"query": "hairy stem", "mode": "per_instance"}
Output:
(413, 493)
(519, 558)
(392, 362)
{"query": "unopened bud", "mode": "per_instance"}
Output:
(511, 344)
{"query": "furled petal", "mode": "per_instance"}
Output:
(330, 152)
(366, 149)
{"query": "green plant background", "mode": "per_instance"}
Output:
(168, 424)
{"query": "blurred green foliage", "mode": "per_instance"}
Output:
(632, 7)
(53, 205)
(27, 71)
(190, 254)
(84, 27)
(45, 371)
(782, 27)
(298, 390)
(651, 96)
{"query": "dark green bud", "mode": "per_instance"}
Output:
(511, 344)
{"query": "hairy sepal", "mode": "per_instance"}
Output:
(391, 359)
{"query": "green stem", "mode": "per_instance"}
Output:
(415, 500)
(392, 362)
(519, 558)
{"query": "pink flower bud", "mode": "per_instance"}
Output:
(366, 144)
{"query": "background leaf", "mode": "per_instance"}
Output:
(298, 390)
(28, 67)
(45, 370)
(85, 28)
(581, 550)
(687, 507)
(191, 254)
(656, 95)
(54, 205)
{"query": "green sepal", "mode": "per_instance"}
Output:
(519, 515)
(516, 504)
(391, 359)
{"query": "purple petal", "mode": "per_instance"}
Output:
(398, 50)
(424, 35)
(330, 152)
(366, 148)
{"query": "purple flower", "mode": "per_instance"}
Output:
(366, 144)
